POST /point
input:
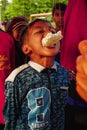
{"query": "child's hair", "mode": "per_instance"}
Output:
(24, 31)
(59, 6)
(16, 23)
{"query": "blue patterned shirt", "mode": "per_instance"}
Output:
(35, 100)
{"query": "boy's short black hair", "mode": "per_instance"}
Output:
(59, 6)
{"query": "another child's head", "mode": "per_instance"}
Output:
(31, 40)
(15, 26)
(58, 13)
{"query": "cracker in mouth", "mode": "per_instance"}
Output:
(52, 39)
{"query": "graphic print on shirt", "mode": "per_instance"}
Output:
(39, 101)
(4, 63)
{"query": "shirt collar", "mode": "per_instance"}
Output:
(39, 67)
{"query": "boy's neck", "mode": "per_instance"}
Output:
(46, 62)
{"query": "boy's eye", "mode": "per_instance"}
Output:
(40, 32)
(53, 32)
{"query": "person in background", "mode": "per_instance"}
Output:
(5, 25)
(58, 12)
(58, 15)
(36, 91)
(75, 30)
(14, 28)
(7, 64)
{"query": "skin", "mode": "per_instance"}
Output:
(44, 56)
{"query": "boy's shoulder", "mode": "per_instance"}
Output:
(63, 75)
(15, 72)
(59, 67)
(62, 71)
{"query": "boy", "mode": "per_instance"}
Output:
(36, 92)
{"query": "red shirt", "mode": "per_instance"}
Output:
(7, 62)
(75, 30)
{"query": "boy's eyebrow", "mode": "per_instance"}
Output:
(38, 26)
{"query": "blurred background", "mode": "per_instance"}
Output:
(28, 8)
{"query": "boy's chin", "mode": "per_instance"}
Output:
(53, 55)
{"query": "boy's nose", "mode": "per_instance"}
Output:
(48, 30)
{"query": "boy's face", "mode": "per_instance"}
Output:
(34, 44)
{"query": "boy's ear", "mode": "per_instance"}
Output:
(26, 50)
